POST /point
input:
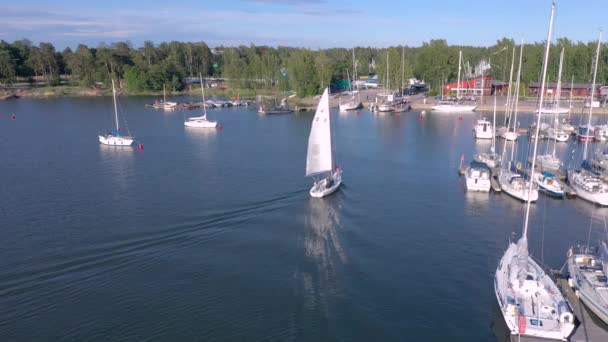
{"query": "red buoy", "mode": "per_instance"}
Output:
(420, 117)
(220, 127)
(13, 117)
(358, 113)
(460, 118)
(140, 147)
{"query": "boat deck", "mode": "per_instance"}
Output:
(590, 328)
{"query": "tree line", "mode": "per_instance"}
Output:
(306, 71)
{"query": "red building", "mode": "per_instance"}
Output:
(577, 89)
(477, 86)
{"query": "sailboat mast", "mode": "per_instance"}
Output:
(517, 83)
(115, 106)
(540, 103)
(402, 69)
(507, 104)
(458, 80)
(164, 95)
(597, 56)
(494, 126)
(557, 97)
(200, 75)
(570, 102)
(387, 81)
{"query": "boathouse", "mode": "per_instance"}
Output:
(476, 86)
(577, 89)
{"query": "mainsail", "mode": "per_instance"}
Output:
(319, 157)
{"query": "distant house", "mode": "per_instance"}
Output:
(577, 89)
(477, 86)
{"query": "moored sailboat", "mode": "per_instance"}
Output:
(529, 300)
(114, 138)
(201, 121)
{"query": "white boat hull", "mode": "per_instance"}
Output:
(115, 140)
(201, 123)
(549, 185)
(593, 296)
(320, 190)
(351, 105)
(453, 108)
(547, 161)
(588, 187)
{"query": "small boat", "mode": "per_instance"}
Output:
(588, 272)
(114, 138)
(557, 135)
(319, 158)
(201, 121)
(553, 110)
(507, 134)
(547, 161)
(282, 109)
(483, 129)
(515, 185)
(600, 133)
(351, 105)
(588, 186)
(585, 132)
(478, 177)
(490, 159)
(548, 184)
(453, 107)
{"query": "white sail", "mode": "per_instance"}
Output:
(319, 158)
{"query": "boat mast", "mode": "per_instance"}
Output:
(115, 106)
(494, 127)
(387, 82)
(458, 81)
(570, 102)
(557, 97)
(200, 75)
(540, 104)
(517, 83)
(597, 56)
(402, 69)
(507, 104)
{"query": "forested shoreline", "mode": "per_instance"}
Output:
(256, 68)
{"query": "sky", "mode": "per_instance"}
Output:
(299, 23)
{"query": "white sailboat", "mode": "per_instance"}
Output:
(492, 159)
(504, 131)
(355, 100)
(201, 121)
(512, 182)
(114, 138)
(529, 300)
(588, 185)
(455, 107)
(550, 160)
(319, 158)
(588, 269)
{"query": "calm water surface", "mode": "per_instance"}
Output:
(211, 234)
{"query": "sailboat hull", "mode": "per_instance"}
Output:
(115, 140)
(351, 105)
(583, 270)
(320, 189)
(453, 108)
(200, 123)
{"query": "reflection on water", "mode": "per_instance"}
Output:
(117, 162)
(499, 326)
(476, 200)
(321, 238)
